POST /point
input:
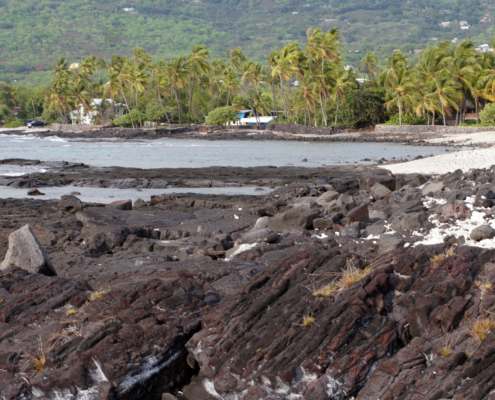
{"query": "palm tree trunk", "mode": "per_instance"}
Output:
(433, 121)
(178, 105)
(336, 112)
(314, 111)
(400, 113)
(477, 114)
(284, 102)
(273, 94)
(211, 96)
(443, 114)
(326, 110)
(322, 112)
(219, 97)
(190, 100)
(289, 101)
(126, 104)
(137, 108)
(163, 108)
(259, 95)
(228, 96)
(196, 109)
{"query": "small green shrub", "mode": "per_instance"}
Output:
(14, 124)
(126, 120)
(487, 116)
(154, 113)
(407, 119)
(472, 122)
(5, 113)
(221, 115)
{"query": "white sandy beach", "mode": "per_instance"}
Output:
(464, 160)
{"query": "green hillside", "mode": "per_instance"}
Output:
(33, 33)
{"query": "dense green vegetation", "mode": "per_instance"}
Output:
(309, 85)
(35, 32)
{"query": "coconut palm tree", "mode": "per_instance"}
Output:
(197, 66)
(285, 68)
(216, 69)
(447, 92)
(138, 80)
(177, 73)
(402, 89)
(162, 85)
(477, 91)
(344, 80)
(369, 64)
(462, 64)
(236, 58)
(120, 76)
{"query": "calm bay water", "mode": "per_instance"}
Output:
(170, 153)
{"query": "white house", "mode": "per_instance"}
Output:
(463, 23)
(85, 116)
(444, 24)
(464, 28)
(484, 48)
(252, 121)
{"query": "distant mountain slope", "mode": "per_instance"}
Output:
(33, 33)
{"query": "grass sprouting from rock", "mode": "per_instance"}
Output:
(481, 328)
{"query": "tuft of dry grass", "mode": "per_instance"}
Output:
(327, 291)
(71, 312)
(481, 328)
(352, 275)
(438, 258)
(38, 360)
(308, 320)
(446, 351)
(349, 276)
(96, 295)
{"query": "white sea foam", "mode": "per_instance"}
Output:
(55, 139)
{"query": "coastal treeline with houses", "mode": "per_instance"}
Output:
(310, 85)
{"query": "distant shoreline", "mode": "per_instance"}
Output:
(200, 133)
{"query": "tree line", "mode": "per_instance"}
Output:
(309, 85)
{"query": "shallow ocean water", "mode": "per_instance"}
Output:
(173, 153)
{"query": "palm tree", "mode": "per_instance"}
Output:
(119, 77)
(402, 89)
(370, 65)
(445, 91)
(394, 64)
(285, 68)
(138, 79)
(462, 65)
(236, 58)
(161, 86)
(345, 80)
(177, 73)
(477, 91)
(216, 69)
(197, 66)
(271, 65)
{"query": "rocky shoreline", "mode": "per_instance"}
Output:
(200, 132)
(342, 283)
